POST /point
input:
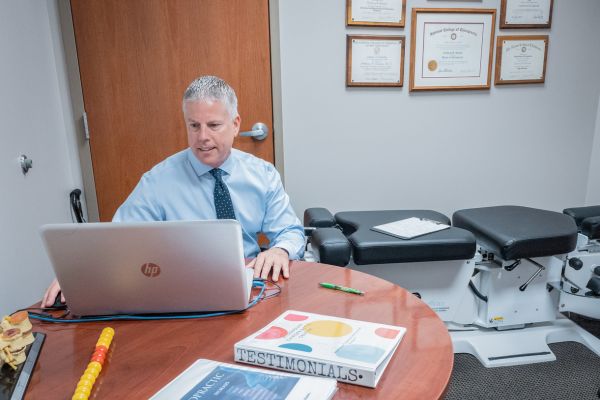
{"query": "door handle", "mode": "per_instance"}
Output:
(26, 163)
(259, 131)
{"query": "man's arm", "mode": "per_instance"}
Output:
(141, 205)
(283, 229)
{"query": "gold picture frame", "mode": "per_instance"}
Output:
(451, 48)
(358, 13)
(511, 11)
(521, 59)
(375, 60)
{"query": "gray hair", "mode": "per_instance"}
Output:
(212, 88)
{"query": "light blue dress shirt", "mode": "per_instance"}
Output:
(181, 188)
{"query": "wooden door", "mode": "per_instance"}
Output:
(136, 57)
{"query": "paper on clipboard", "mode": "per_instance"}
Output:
(410, 227)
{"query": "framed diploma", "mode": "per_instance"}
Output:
(451, 48)
(374, 60)
(376, 13)
(521, 59)
(526, 14)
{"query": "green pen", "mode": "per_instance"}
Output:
(341, 288)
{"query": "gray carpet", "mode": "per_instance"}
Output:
(574, 375)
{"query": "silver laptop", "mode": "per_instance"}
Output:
(149, 267)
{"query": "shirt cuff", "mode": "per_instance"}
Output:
(290, 248)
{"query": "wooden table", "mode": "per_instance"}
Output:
(147, 355)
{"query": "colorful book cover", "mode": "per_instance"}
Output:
(343, 349)
(207, 379)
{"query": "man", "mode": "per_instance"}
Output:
(211, 180)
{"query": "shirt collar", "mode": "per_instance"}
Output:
(201, 168)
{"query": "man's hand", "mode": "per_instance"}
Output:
(51, 293)
(276, 259)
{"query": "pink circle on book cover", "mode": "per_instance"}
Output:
(387, 333)
(273, 332)
(295, 317)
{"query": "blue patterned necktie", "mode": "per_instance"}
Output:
(223, 204)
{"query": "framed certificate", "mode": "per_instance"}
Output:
(376, 13)
(521, 59)
(451, 48)
(526, 14)
(374, 60)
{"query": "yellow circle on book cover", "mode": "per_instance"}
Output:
(327, 328)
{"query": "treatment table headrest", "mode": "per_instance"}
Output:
(515, 232)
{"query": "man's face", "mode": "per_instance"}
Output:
(210, 130)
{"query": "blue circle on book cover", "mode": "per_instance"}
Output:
(296, 346)
(360, 352)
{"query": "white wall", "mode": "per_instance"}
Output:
(32, 115)
(593, 190)
(374, 148)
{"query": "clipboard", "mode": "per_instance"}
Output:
(410, 228)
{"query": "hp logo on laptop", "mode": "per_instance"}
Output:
(150, 270)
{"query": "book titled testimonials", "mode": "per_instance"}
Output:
(347, 350)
